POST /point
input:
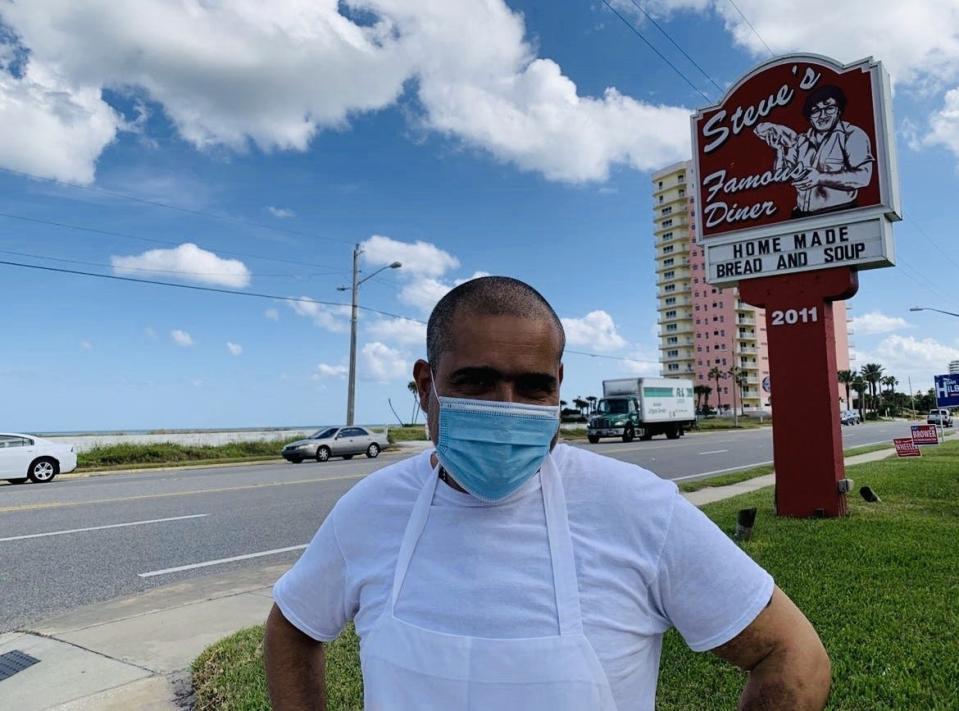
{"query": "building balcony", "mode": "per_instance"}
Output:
(680, 330)
(677, 264)
(747, 336)
(679, 274)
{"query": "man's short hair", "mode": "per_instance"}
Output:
(829, 91)
(486, 296)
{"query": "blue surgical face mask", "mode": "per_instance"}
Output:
(492, 448)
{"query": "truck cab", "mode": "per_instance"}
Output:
(615, 417)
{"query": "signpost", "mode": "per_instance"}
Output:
(925, 434)
(905, 447)
(796, 190)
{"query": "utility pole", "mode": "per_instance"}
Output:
(351, 388)
(355, 289)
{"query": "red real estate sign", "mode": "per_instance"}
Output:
(905, 447)
(925, 434)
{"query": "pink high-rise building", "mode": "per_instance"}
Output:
(704, 328)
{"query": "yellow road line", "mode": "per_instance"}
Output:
(143, 497)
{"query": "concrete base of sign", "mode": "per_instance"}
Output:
(807, 439)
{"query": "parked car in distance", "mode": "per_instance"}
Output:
(25, 457)
(940, 416)
(344, 442)
(849, 417)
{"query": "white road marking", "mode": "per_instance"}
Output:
(720, 471)
(715, 451)
(101, 528)
(220, 561)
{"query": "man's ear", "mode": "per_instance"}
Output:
(424, 383)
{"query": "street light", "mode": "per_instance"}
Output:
(355, 289)
(929, 308)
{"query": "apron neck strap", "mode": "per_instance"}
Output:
(562, 562)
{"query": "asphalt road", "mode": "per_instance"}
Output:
(75, 542)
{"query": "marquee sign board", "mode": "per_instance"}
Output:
(795, 170)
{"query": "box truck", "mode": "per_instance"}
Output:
(643, 407)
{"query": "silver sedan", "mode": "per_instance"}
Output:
(343, 442)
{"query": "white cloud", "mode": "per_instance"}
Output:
(86, 345)
(404, 331)
(281, 213)
(596, 330)
(228, 74)
(272, 314)
(186, 262)
(53, 129)
(234, 348)
(917, 41)
(910, 357)
(425, 292)
(323, 370)
(877, 322)
(419, 258)
(331, 318)
(642, 366)
(381, 363)
(944, 123)
(181, 338)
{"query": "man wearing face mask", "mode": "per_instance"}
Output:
(503, 571)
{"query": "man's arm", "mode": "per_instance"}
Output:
(787, 664)
(295, 666)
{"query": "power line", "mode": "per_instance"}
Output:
(746, 20)
(177, 208)
(153, 240)
(155, 271)
(676, 45)
(658, 53)
(211, 289)
(252, 294)
(929, 239)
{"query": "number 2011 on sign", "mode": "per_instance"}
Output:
(791, 317)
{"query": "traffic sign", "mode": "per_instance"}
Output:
(905, 447)
(925, 434)
(947, 390)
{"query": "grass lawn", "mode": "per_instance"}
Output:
(117, 456)
(880, 585)
(415, 433)
(727, 423)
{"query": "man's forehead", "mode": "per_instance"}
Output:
(826, 102)
(495, 340)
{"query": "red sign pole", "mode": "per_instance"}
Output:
(807, 437)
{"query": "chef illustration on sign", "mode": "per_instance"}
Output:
(837, 155)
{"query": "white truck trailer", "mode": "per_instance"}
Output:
(643, 407)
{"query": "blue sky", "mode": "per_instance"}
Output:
(457, 137)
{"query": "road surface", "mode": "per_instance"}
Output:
(80, 541)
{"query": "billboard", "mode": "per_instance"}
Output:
(947, 390)
(795, 170)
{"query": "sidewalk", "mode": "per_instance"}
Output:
(135, 653)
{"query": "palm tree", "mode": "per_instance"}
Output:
(580, 404)
(411, 386)
(739, 381)
(706, 393)
(591, 399)
(846, 378)
(860, 385)
(699, 390)
(890, 382)
(716, 374)
(872, 374)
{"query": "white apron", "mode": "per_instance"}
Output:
(409, 668)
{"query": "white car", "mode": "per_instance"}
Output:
(25, 457)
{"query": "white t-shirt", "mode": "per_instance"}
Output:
(646, 560)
